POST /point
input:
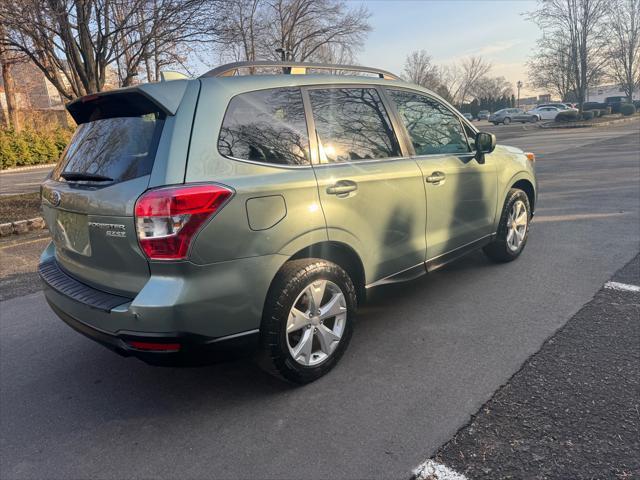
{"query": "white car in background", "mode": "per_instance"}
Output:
(546, 113)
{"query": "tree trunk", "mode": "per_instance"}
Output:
(10, 92)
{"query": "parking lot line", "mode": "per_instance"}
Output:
(433, 470)
(623, 287)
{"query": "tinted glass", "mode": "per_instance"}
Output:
(266, 126)
(432, 127)
(352, 124)
(120, 148)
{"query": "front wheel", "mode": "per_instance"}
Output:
(506, 121)
(513, 229)
(307, 321)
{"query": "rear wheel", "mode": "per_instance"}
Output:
(308, 320)
(513, 229)
(506, 121)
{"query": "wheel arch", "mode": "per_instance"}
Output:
(527, 187)
(341, 254)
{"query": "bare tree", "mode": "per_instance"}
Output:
(581, 24)
(73, 42)
(491, 88)
(624, 46)
(419, 69)
(303, 27)
(460, 80)
(162, 35)
(323, 30)
(550, 67)
(243, 29)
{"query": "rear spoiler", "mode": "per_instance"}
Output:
(164, 97)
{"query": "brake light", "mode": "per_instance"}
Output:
(167, 219)
(155, 346)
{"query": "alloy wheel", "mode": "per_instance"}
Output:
(517, 225)
(316, 322)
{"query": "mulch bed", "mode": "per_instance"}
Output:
(19, 207)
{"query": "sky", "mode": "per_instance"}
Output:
(450, 30)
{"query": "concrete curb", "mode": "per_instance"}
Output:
(30, 167)
(22, 226)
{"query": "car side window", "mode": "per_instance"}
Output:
(266, 126)
(352, 124)
(432, 127)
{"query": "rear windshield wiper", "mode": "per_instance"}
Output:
(79, 176)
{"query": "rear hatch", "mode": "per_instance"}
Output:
(89, 199)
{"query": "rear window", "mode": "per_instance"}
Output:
(266, 126)
(119, 148)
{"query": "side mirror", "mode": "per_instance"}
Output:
(485, 142)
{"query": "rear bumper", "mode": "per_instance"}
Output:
(193, 350)
(211, 311)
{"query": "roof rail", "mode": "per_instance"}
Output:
(293, 68)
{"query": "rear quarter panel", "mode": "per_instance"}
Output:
(230, 234)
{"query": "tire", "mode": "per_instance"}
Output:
(502, 248)
(291, 287)
(535, 119)
(506, 121)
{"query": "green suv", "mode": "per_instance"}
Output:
(193, 219)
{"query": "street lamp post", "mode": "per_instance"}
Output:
(284, 55)
(519, 85)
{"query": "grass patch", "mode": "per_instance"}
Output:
(19, 207)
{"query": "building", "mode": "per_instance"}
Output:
(599, 93)
(33, 90)
(37, 100)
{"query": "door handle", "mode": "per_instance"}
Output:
(342, 187)
(435, 177)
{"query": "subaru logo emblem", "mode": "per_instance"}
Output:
(55, 198)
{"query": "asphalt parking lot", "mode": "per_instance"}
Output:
(22, 181)
(425, 355)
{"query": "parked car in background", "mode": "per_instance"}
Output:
(484, 115)
(615, 102)
(205, 216)
(546, 113)
(508, 115)
(560, 106)
(468, 116)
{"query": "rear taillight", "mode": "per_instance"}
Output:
(167, 219)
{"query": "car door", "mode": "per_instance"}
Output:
(551, 113)
(372, 196)
(520, 115)
(461, 191)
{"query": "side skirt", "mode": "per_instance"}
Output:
(435, 263)
(441, 260)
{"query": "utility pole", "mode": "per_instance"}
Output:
(519, 85)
